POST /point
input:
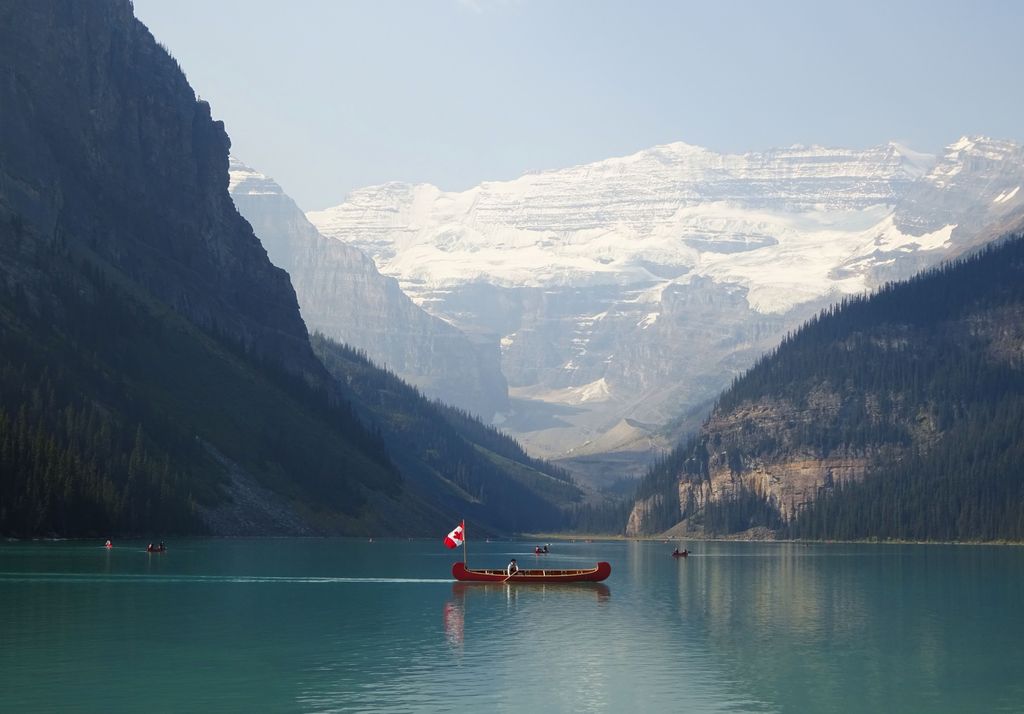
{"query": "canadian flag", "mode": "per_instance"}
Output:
(457, 536)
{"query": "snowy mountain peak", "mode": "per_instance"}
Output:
(982, 146)
(249, 181)
(342, 294)
(666, 271)
(776, 222)
(962, 144)
(917, 162)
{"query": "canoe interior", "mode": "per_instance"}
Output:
(546, 575)
(531, 573)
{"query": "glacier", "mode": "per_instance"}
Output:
(625, 293)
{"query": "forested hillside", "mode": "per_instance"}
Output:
(896, 415)
(114, 411)
(449, 458)
(155, 374)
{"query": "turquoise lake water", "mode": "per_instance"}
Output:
(331, 625)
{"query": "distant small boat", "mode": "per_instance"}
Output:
(592, 575)
(680, 553)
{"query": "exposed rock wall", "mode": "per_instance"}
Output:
(639, 516)
(342, 294)
(637, 287)
(107, 126)
(852, 398)
(789, 483)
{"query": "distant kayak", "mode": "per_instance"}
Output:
(596, 574)
(680, 553)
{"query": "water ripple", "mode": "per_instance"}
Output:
(160, 579)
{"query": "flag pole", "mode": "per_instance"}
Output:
(465, 545)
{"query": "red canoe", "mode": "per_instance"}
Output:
(591, 575)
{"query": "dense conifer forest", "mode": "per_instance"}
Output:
(929, 375)
(450, 457)
(108, 403)
(111, 409)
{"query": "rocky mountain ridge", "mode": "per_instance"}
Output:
(887, 416)
(629, 291)
(342, 294)
(156, 376)
(95, 141)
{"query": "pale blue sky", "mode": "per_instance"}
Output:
(328, 96)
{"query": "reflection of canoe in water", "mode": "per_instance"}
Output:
(592, 575)
(598, 591)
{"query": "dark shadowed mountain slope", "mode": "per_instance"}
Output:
(449, 458)
(106, 149)
(155, 374)
(892, 416)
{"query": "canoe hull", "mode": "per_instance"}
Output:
(586, 575)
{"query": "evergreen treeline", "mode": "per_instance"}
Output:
(497, 441)
(970, 486)
(69, 468)
(605, 516)
(924, 379)
(451, 459)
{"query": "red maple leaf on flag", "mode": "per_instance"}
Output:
(457, 537)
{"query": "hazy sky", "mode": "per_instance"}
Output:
(328, 96)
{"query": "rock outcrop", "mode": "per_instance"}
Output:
(343, 295)
(900, 410)
(99, 122)
(638, 287)
(155, 372)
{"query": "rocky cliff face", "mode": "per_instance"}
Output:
(146, 339)
(975, 181)
(898, 409)
(160, 354)
(342, 294)
(760, 449)
(630, 290)
(98, 121)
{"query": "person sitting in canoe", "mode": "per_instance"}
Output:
(512, 568)
(680, 553)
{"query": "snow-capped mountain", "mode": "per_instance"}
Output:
(626, 291)
(342, 294)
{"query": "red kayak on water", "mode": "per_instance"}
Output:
(497, 575)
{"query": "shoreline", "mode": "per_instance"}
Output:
(549, 537)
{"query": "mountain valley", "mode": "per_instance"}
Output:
(625, 294)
